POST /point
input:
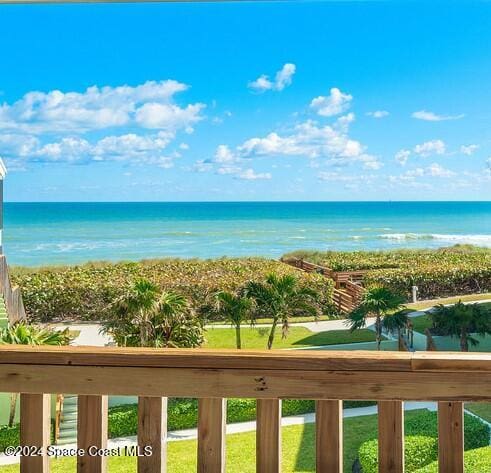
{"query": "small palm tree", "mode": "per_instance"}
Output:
(281, 297)
(378, 302)
(396, 322)
(140, 303)
(461, 321)
(174, 324)
(234, 308)
(151, 318)
(24, 334)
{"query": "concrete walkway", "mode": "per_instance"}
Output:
(240, 427)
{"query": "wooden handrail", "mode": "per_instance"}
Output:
(212, 376)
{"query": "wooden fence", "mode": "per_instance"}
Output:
(268, 376)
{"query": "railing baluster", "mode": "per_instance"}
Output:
(92, 433)
(268, 436)
(152, 433)
(35, 421)
(390, 437)
(212, 417)
(329, 436)
(450, 437)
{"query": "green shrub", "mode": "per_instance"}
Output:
(418, 452)
(183, 413)
(426, 424)
(475, 461)
(461, 269)
(87, 292)
(9, 436)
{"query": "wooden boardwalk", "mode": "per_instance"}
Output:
(348, 285)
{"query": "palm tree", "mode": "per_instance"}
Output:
(139, 304)
(395, 322)
(234, 308)
(378, 302)
(281, 297)
(175, 324)
(148, 317)
(24, 334)
(461, 320)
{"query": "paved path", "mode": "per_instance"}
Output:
(240, 427)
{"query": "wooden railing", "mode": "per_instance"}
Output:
(268, 376)
(11, 294)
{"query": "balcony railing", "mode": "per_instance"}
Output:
(268, 376)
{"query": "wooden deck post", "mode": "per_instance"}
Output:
(390, 437)
(450, 437)
(268, 436)
(92, 433)
(329, 436)
(212, 417)
(152, 433)
(35, 423)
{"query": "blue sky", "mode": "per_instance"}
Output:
(253, 101)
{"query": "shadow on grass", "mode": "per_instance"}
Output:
(305, 457)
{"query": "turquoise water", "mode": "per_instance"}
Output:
(56, 233)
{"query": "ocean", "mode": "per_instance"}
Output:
(67, 233)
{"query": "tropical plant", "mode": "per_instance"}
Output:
(234, 308)
(378, 302)
(459, 269)
(139, 305)
(88, 292)
(22, 333)
(281, 297)
(395, 322)
(148, 317)
(462, 321)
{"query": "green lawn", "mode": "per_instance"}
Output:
(293, 320)
(449, 300)
(257, 337)
(481, 409)
(421, 323)
(297, 450)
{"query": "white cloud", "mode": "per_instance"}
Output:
(434, 117)
(378, 114)
(133, 148)
(168, 116)
(150, 105)
(283, 78)
(433, 170)
(333, 104)
(430, 148)
(251, 175)
(402, 156)
(468, 149)
(223, 155)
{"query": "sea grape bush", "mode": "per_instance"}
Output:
(461, 269)
(88, 292)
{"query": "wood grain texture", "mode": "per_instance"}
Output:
(311, 360)
(450, 437)
(329, 436)
(391, 436)
(35, 422)
(268, 436)
(92, 433)
(152, 434)
(212, 416)
(263, 384)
